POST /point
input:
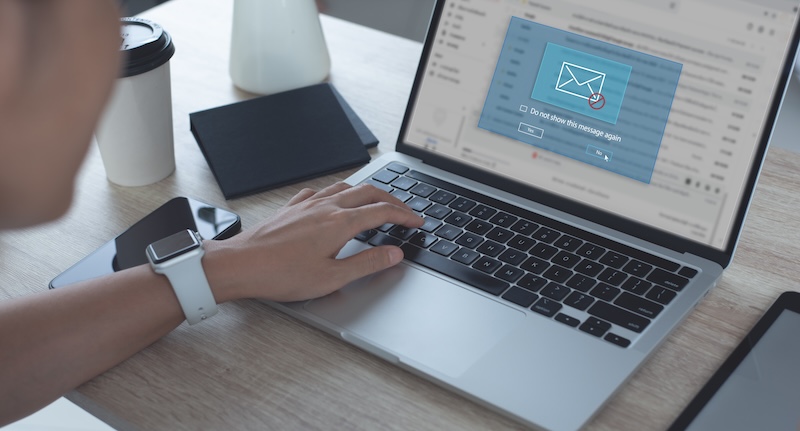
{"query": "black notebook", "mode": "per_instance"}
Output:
(283, 138)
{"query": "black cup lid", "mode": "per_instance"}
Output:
(145, 46)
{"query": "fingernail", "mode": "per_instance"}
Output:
(395, 255)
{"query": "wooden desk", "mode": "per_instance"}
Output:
(254, 368)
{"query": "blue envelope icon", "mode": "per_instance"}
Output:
(580, 81)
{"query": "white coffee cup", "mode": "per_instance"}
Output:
(277, 45)
(135, 134)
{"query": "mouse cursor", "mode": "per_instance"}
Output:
(606, 158)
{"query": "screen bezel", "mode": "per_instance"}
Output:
(654, 235)
(787, 301)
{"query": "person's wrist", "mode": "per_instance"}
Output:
(222, 272)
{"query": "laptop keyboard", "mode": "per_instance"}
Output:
(582, 280)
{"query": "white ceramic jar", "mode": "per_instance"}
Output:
(277, 45)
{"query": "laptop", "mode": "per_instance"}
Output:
(584, 169)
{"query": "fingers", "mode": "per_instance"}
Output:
(365, 194)
(301, 196)
(368, 262)
(372, 215)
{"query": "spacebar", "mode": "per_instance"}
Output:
(454, 269)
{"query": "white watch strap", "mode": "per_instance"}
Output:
(189, 282)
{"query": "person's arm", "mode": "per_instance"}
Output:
(53, 341)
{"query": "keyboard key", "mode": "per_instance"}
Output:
(379, 185)
(532, 282)
(442, 197)
(385, 177)
(482, 212)
(402, 232)
(579, 301)
(438, 211)
(500, 235)
(605, 292)
(546, 235)
(503, 219)
(595, 327)
(581, 282)
(383, 239)
(402, 195)
(566, 259)
(386, 227)
(534, 265)
(636, 285)
(524, 227)
(418, 204)
(639, 269)
(460, 272)
(479, 227)
(462, 204)
(466, 256)
(422, 240)
(487, 265)
(639, 305)
(613, 259)
(567, 320)
(568, 243)
(520, 296)
(445, 248)
(513, 257)
(469, 240)
(397, 167)
(612, 276)
(589, 267)
(591, 251)
(546, 306)
(458, 219)
(431, 224)
(366, 235)
(449, 232)
(490, 248)
(687, 272)
(423, 190)
(555, 291)
(661, 294)
(616, 339)
(509, 273)
(521, 243)
(404, 183)
(543, 250)
(668, 279)
(618, 316)
(558, 274)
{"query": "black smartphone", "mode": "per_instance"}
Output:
(128, 249)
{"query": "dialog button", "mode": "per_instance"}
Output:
(534, 131)
(600, 153)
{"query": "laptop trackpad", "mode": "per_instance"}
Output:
(419, 318)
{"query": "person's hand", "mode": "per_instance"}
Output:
(292, 256)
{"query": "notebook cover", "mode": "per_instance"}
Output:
(275, 140)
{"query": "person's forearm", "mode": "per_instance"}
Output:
(54, 341)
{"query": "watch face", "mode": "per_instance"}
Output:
(173, 246)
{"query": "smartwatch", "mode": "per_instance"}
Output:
(178, 257)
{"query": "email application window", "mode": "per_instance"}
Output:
(582, 83)
(589, 100)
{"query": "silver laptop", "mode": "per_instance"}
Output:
(584, 169)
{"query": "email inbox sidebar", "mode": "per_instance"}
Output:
(598, 103)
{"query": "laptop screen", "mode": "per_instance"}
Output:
(654, 111)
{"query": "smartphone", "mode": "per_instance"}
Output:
(128, 249)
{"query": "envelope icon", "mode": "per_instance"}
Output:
(580, 81)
